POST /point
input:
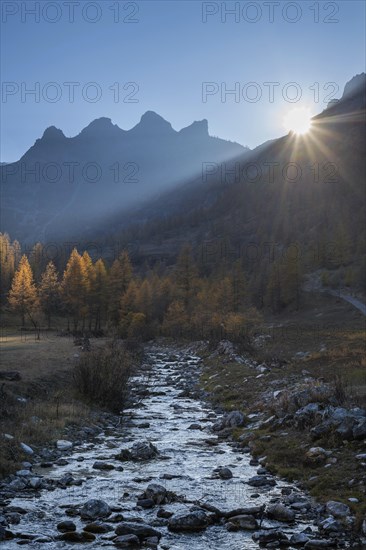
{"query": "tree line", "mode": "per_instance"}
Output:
(91, 296)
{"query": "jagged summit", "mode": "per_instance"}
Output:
(355, 85)
(199, 128)
(151, 122)
(53, 133)
(100, 126)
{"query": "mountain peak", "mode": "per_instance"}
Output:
(53, 133)
(99, 127)
(355, 85)
(151, 122)
(198, 128)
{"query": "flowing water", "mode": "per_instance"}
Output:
(185, 454)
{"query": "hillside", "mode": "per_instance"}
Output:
(65, 186)
(299, 195)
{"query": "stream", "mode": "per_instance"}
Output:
(186, 460)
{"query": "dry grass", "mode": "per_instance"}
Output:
(37, 408)
(337, 357)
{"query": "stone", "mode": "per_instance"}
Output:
(97, 527)
(63, 445)
(337, 509)
(146, 503)
(35, 482)
(140, 530)
(261, 481)
(13, 518)
(165, 514)
(23, 473)
(66, 480)
(359, 431)
(318, 544)
(27, 449)
(247, 511)
(330, 525)
(270, 536)
(245, 522)
(43, 539)
(345, 429)
(95, 509)
(73, 536)
(188, 521)
(299, 539)
(233, 419)
(280, 512)
(157, 493)
(127, 541)
(66, 526)
(141, 450)
(99, 465)
(223, 473)
(316, 456)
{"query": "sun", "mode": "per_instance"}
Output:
(298, 120)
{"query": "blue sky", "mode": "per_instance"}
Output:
(168, 54)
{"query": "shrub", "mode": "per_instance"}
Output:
(102, 376)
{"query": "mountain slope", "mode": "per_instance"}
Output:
(63, 186)
(305, 194)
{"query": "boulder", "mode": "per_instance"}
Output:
(299, 539)
(95, 509)
(35, 482)
(23, 473)
(64, 445)
(321, 429)
(359, 430)
(330, 525)
(73, 536)
(155, 492)
(316, 456)
(245, 522)
(191, 521)
(345, 428)
(66, 526)
(17, 485)
(233, 419)
(98, 527)
(143, 450)
(337, 509)
(270, 536)
(127, 541)
(100, 465)
(280, 512)
(140, 530)
(223, 473)
(261, 481)
(27, 449)
(249, 510)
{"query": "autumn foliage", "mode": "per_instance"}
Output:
(178, 301)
